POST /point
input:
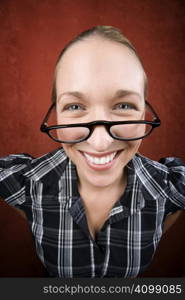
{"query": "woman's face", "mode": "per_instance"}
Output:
(99, 79)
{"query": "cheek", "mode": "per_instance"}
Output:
(58, 118)
(133, 146)
(66, 148)
(69, 150)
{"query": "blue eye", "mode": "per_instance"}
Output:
(124, 106)
(74, 107)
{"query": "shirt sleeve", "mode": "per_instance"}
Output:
(12, 180)
(176, 180)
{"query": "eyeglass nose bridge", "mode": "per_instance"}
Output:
(103, 123)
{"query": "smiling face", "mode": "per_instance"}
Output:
(98, 79)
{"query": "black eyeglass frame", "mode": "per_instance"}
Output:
(108, 124)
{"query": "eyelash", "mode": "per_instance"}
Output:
(128, 106)
(69, 107)
(80, 107)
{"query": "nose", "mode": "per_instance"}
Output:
(100, 140)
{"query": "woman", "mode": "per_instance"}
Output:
(95, 206)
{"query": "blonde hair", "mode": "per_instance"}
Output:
(106, 32)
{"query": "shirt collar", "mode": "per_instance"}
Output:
(143, 176)
(48, 167)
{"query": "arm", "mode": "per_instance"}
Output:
(170, 220)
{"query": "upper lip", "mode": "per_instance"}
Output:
(100, 154)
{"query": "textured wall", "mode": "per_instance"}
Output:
(32, 32)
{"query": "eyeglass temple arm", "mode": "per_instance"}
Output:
(152, 110)
(44, 123)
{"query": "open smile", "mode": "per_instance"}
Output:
(101, 161)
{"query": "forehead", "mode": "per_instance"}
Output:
(96, 65)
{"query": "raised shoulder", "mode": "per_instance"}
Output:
(165, 178)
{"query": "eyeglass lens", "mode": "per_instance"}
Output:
(124, 131)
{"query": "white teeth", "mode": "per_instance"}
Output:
(100, 160)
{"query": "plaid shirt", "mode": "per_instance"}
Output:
(46, 189)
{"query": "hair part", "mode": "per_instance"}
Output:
(107, 32)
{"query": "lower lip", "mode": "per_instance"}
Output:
(101, 167)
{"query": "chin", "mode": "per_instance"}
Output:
(100, 175)
(100, 180)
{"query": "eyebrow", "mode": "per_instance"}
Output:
(123, 93)
(73, 93)
(119, 94)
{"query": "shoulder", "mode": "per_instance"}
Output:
(164, 167)
(17, 170)
(14, 159)
(165, 177)
(29, 166)
(13, 165)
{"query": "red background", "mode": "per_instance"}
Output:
(32, 33)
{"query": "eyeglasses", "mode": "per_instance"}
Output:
(120, 130)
